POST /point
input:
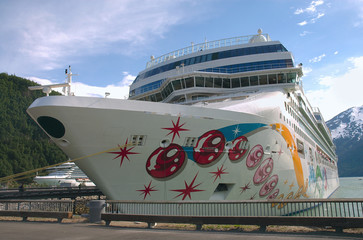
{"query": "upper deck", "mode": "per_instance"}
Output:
(247, 56)
(206, 46)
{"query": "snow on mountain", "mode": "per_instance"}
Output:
(348, 124)
(347, 133)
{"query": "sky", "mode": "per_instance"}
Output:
(108, 42)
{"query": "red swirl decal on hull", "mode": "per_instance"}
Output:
(239, 148)
(263, 171)
(165, 162)
(269, 185)
(255, 156)
(209, 147)
(274, 194)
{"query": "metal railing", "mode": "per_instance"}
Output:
(306, 208)
(37, 205)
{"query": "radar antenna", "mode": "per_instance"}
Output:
(67, 85)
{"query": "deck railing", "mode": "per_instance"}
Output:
(308, 207)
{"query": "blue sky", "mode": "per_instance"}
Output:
(108, 42)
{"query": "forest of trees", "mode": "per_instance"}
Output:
(23, 145)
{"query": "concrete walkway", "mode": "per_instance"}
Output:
(61, 231)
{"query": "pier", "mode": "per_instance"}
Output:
(338, 214)
(335, 213)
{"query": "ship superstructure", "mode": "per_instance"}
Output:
(221, 120)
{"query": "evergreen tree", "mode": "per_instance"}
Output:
(23, 145)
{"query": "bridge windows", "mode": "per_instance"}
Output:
(263, 79)
(189, 82)
(272, 79)
(291, 77)
(217, 82)
(201, 81)
(254, 80)
(208, 82)
(236, 83)
(281, 78)
(177, 84)
(245, 81)
(226, 83)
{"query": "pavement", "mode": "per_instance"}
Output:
(80, 231)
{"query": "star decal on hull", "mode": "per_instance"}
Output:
(175, 129)
(236, 131)
(124, 152)
(147, 189)
(218, 173)
(245, 187)
(188, 189)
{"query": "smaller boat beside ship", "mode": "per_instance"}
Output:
(65, 175)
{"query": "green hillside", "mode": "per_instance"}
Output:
(23, 145)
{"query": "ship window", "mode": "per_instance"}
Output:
(215, 56)
(263, 79)
(272, 79)
(192, 60)
(226, 83)
(300, 146)
(153, 98)
(217, 82)
(245, 82)
(197, 59)
(209, 57)
(169, 88)
(254, 80)
(189, 82)
(167, 91)
(177, 84)
(203, 58)
(199, 81)
(291, 77)
(317, 117)
(209, 82)
(281, 77)
(158, 97)
(236, 83)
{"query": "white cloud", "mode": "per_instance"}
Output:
(312, 12)
(307, 70)
(313, 20)
(338, 93)
(317, 59)
(304, 33)
(311, 8)
(46, 34)
(313, 5)
(336, 52)
(298, 11)
(302, 23)
(120, 90)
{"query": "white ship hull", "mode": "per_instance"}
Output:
(154, 151)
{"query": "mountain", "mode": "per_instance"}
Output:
(347, 133)
(23, 145)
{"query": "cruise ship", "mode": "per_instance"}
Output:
(221, 120)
